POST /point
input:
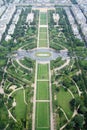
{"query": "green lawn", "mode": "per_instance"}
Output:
(43, 54)
(43, 35)
(43, 22)
(3, 115)
(27, 62)
(74, 91)
(43, 29)
(42, 90)
(42, 129)
(43, 43)
(2, 62)
(43, 39)
(42, 15)
(56, 63)
(60, 118)
(63, 98)
(42, 116)
(42, 72)
(20, 109)
(43, 19)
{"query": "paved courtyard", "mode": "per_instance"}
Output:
(41, 54)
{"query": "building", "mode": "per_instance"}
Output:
(1, 2)
(2, 9)
(56, 18)
(73, 24)
(30, 18)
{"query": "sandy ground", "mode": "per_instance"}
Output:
(13, 87)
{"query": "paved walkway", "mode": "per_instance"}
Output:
(5, 70)
(79, 92)
(30, 69)
(51, 108)
(10, 115)
(14, 91)
(74, 113)
(42, 100)
(62, 66)
(25, 97)
(64, 114)
(34, 100)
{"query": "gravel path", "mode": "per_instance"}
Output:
(30, 69)
(62, 66)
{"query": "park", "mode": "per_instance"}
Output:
(43, 82)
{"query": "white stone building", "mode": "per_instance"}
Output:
(30, 18)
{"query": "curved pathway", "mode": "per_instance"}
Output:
(26, 44)
(24, 97)
(64, 113)
(74, 114)
(69, 92)
(62, 66)
(79, 92)
(5, 70)
(23, 66)
(14, 91)
(10, 115)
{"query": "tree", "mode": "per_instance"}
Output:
(73, 104)
(2, 125)
(1, 100)
(15, 125)
(70, 125)
(66, 82)
(82, 109)
(79, 119)
(85, 117)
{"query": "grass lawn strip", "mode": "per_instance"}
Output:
(43, 108)
(43, 36)
(43, 19)
(43, 22)
(63, 98)
(43, 128)
(43, 71)
(43, 43)
(42, 90)
(42, 111)
(43, 29)
(20, 109)
(42, 15)
(61, 119)
(43, 54)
